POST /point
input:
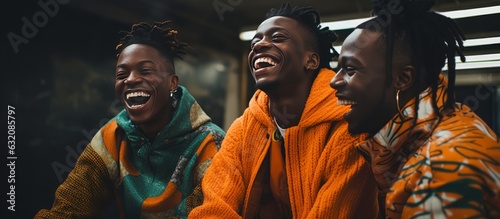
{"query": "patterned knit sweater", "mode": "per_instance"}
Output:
(326, 176)
(159, 179)
(445, 167)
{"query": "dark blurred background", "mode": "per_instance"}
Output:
(58, 59)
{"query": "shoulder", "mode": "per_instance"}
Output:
(463, 145)
(107, 133)
(245, 131)
(213, 130)
(107, 140)
(464, 127)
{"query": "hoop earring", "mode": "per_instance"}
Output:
(397, 104)
(174, 97)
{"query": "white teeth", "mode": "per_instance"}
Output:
(137, 94)
(346, 102)
(263, 59)
(136, 106)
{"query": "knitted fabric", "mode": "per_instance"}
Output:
(326, 176)
(445, 167)
(149, 179)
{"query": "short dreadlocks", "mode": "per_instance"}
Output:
(430, 39)
(322, 38)
(158, 35)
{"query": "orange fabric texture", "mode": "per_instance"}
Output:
(445, 167)
(326, 176)
(279, 186)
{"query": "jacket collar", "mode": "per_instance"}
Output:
(321, 99)
(187, 117)
(389, 149)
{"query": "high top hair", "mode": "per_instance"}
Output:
(322, 38)
(428, 37)
(158, 35)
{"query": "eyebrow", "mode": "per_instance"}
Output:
(272, 30)
(345, 59)
(140, 63)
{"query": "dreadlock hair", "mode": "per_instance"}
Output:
(430, 39)
(158, 35)
(322, 38)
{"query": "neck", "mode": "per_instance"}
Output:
(152, 129)
(287, 106)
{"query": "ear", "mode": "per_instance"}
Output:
(312, 61)
(405, 77)
(174, 82)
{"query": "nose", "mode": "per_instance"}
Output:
(338, 81)
(133, 78)
(261, 45)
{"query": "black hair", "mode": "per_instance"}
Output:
(158, 35)
(430, 39)
(322, 38)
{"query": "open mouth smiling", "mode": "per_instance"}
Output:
(264, 62)
(136, 99)
(347, 103)
(344, 102)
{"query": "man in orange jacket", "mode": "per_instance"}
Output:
(289, 154)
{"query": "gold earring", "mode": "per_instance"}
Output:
(397, 104)
(307, 67)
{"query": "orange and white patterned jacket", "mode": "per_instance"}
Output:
(446, 167)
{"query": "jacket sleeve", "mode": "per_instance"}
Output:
(332, 202)
(223, 186)
(455, 186)
(205, 153)
(85, 193)
(348, 191)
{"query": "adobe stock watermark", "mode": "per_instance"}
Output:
(29, 29)
(222, 6)
(283, 116)
(383, 19)
(480, 94)
(72, 155)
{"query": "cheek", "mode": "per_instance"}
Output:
(250, 57)
(118, 88)
(357, 84)
(368, 93)
(161, 87)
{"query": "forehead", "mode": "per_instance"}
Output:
(140, 50)
(362, 39)
(280, 22)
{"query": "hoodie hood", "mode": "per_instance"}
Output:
(178, 126)
(321, 105)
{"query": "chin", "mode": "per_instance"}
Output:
(354, 130)
(137, 119)
(265, 86)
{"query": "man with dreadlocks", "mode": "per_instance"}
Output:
(152, 155)
(431, 157)
(290, 154)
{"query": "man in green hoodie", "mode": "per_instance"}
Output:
(152, 156)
